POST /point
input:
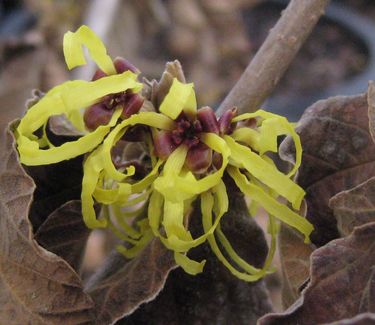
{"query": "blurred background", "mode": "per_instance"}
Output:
(213, 39)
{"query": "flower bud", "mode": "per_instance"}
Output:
(163, 144)
(98, 74)
(132, 105)
(199, 158)
(225, 121)
(97, 115)
(122, 65)
(207, 117)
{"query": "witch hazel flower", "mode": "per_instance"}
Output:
(189, 149)
(72, 98)
(189, 172)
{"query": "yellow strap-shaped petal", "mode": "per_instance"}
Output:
(173, 220)
(180, 244)
(272, 230)
(32, 155)
(181, 97)
(137, 248)
(119, 234)
(70, 97)
(119, 194)
(91, 173)
(168, 183)
(155, 215)
(124, 224)
(176, 186)
(189, 266)
(73, 51)
(155, 211)
(207, 202)
(92, 176)
(152, 119)
(273, 207)
(265, 172)
(272, 126)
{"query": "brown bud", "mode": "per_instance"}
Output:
(225, 121)
(122, 65)
(98, 75)
(163, 144)
(97, 115)
(199, 158)
(207, 117)
(132, 105)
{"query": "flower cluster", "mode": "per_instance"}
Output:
(189, 151)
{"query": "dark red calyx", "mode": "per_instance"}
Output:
(132, 104)
(207, 117)
(225, 121)
(122, 65)
(98, 75)
(186, 131)
(163, 144)
(191, 142)
(199, 158)
(97, 115)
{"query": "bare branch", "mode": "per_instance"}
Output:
(273, 58)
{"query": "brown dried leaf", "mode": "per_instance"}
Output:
(65, 234)
(371, 108)
(354, 207)
(214, 296)
(362, 319)
(121, 286)
(56, 184)
(36, 286)
(338, 154)
(342, 282)
(295, 262)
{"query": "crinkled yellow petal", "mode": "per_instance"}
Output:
(265, 172)
(138, 198)
(181, 97)
(265, 139)
(179, 187)
(167, 183)
(92, 174)
(155, 211)
(145, 118)
(220, 207)
(233, 255)
(92, 168)
(189, 266)
(73, 51)
(145, 182)
(70, 97)
(137, 248)
(272, 230)
(207, 202)
(178, 243)
(119, 194)
(272, 206)
(119, 234)
(173, 220)
(123, 223)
